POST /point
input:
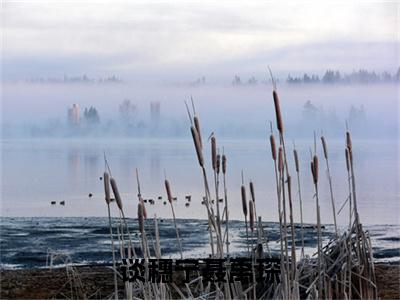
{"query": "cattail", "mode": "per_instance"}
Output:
(218, 162)
(347, 159)
(168, 189)
(273, 146)
(140, 217)
(251, 215)
(214, 153)
(289, 184)
(253, 197)
(315, 165)
(197, 126)
(279, 122)
(223, 163)
(324, 147)
(244, 204)
(280, 160)
(144, 207)
(106, 179)
(348, 141)
(197, 145)
(350, 156)
(116, 193)
(312, 170)
(296, 160)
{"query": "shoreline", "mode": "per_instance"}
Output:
(97, 281)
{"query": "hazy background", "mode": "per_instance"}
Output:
(99, 54)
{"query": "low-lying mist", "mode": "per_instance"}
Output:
(123, 109)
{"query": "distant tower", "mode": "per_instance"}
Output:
(74, 117)
(155, 112)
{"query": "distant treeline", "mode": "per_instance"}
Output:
(360, 76)
(330, 77)
(74, 79)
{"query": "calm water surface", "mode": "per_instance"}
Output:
(38, 171)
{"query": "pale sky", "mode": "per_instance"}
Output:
(181, 39)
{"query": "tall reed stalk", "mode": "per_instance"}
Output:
(297, 166)
(314, 171)
(170, 199)
(106, 180)
(278, 194)
(244, 208)
(325, 148)
(196, 135)
(215, 167)
(285, 169)
(224, 162)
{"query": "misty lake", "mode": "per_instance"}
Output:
(38, 171)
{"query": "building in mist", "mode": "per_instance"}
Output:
(74, 115)
(154, 112)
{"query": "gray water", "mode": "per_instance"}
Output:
(38, 171)
(28, 242)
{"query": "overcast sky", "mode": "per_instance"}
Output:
(178, 40)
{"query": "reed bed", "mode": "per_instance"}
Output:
(342, 268)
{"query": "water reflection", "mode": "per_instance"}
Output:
(71, 169)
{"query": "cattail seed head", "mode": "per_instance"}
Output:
(197, 145)
(244, 203)
(312, 170)
(251, 215)
(197, 126)
(214, 153)
(325, 147)
(168, 189)
(140, 217)
(296, 160)
(116, 193)
(279, 121)
(273, 146)
(144, 207)
(280, 160)
(224, 163)
(315, 165)
(253, 196)
(347, 159)
(348, 141)
(106, 179)
(289, 184)
(350, 156)
(218, 163)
